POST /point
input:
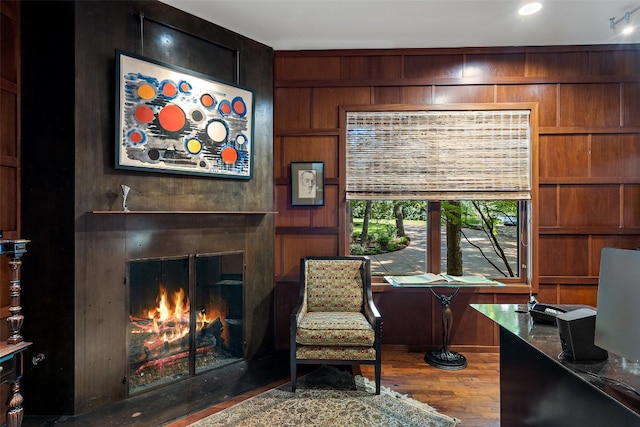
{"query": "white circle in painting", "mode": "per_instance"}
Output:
(217, 131)
(241, 139)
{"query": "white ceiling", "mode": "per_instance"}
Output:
(371, 24)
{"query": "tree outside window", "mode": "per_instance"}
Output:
(471, 237)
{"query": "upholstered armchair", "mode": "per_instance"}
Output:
(336, 321)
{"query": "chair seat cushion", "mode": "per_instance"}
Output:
(349, 329)
(316, 352)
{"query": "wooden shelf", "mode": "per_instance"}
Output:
(182, 212)
(10, 349)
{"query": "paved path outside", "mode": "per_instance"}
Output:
(412, 258)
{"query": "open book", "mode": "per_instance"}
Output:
(431, 279)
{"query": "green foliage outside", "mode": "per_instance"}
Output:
(383, 238)
(383, 210)
(382, 235)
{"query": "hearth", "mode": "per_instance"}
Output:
(185, 317)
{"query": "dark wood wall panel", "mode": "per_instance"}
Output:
(8, 122)
(557, 64)
(425, 66)
(615, 155)
(609, 241)
(589, 162)
(563, 255)
(395, 328)
(308, 68)
(325, 100)
(548, 291)
(631, 206)
(564, 156)
(371, 67)
(287, 216)
(590, 105)
(614, 63)
(631, 97)
(494, 65)
(294, 109)
(293, 247)
(548, 209)
(10, 224)
(9, 190)
(311, 149)
(10, 13)
(544, 94)
(578, 294)
(463, 94)
(589, 206)
(402, 95)
(328, 216)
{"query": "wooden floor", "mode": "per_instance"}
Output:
(471, 394)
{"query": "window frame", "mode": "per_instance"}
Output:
(528, 212)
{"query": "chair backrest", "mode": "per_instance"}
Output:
(334, 284)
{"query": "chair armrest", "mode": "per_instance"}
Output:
(298, 313)
(371, 312)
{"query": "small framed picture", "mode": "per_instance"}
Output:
(307, 184)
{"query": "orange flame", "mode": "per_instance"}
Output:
(169, 320)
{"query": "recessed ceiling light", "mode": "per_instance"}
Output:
(530, 8)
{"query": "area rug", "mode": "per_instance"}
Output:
(328, 397)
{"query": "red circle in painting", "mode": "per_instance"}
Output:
(229, 155)
(185, 87)
(169, 89)
(144, 114)
(172, 118)
(225, 108)
(239, 107)
(207, 100)
(135, 137)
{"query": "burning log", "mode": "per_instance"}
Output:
(149, 346)
(169, 360)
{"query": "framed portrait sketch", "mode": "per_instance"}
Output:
(173, 120)
(307, 184)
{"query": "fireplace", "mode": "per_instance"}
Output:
(185, 317)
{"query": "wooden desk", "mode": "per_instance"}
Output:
(537, 388)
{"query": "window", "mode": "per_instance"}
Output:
(462, 175)
(462, 238)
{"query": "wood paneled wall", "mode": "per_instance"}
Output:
(75, 292)
(9, 157)
(589, 162)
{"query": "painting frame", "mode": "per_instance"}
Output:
(173, 120)
(307, 184)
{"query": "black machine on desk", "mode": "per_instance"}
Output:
(547, 313)
(576, 328)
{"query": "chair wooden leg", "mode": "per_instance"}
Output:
(378, 373)
(293, 375)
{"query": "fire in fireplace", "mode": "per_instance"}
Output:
(185, 317)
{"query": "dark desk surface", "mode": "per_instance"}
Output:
(546, 339)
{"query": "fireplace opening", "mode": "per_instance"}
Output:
(185, 317)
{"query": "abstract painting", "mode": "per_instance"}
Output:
(174, 120)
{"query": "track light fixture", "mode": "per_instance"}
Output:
(628, 28)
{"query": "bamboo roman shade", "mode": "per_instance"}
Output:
(438, 155)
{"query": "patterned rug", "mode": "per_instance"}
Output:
(328, 397)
